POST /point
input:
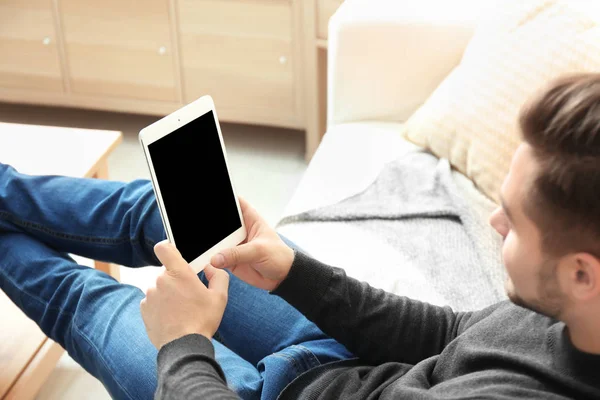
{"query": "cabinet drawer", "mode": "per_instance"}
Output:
(239, 52)
(120, 48)
(28, 47)
(239, 72)
(271, 18)
(325, 9)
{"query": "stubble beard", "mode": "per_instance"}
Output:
(551, 300)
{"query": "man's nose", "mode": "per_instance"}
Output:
(496, 222)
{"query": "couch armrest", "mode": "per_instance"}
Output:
(386, 57)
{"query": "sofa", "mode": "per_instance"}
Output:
(371, 92)
(385, 59)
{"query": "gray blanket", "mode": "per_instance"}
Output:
(415, 206)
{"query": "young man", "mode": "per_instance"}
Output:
(544, 343)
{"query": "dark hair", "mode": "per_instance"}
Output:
(562, 125)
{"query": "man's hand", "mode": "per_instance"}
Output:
(180, 304)
(263, 259)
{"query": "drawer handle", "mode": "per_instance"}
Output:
(46, 41)
(162, 50)
(283, 60)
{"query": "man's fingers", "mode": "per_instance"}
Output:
(251, 277)
(217, 279)
(244, 205)
(248, 212)
(228, 258)
(170, 257)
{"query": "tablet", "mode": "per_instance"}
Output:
(188, 166)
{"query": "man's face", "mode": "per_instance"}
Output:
(532, 281)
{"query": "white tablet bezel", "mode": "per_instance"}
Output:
(164, 127)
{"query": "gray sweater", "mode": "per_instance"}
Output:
(406, 349)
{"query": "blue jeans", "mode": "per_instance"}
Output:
(263, 342)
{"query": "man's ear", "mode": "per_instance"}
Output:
(584, 276)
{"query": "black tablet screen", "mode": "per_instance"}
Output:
(195, 186)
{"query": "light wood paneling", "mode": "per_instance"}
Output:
(325, 9)
(248, 54)
(116, 104)
(120, 48)
(317, 14)
(298, 59)
(310, 87)
(28, 46)
(270, 18)
(20, 339)
(249, 66)
(53, 152)
(264, 79)
(36, 373)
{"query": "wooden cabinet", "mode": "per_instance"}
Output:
(120, 48)
(256, 58)
(28, 46)
(325, 9)
(241, 53)
(316, 20)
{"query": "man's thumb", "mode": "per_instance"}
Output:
(217, 279)
(229, 258)
(170, 257)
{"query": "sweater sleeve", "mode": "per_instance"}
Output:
(187, 369)
(374, 325)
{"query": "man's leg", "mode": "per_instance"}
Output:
(119, 222)
(95, 318)
(273, 336)
(102, 220)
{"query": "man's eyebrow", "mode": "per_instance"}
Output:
(505, 208)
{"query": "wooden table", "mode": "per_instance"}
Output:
(27, 356)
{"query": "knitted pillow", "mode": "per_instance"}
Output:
(471, 118)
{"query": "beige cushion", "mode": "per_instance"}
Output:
(471, 118)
